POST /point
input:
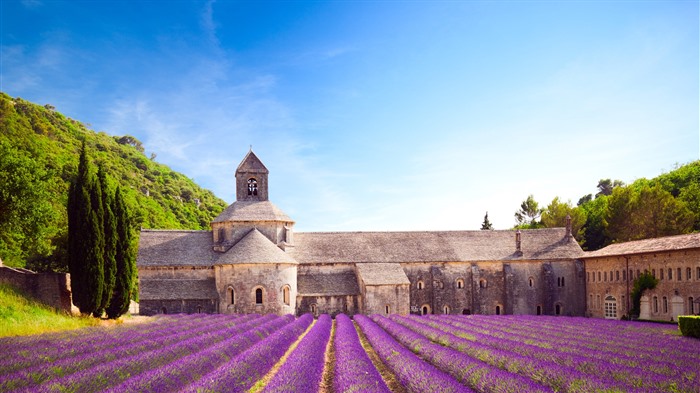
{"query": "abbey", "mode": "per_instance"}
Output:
(252, 261)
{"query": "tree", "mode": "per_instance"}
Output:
(528, 214)
(645, 281)
(594, 233)
(554, 216)
(486, 225)
(85, 238)
(125, 260)
(110, 239)
(606, 186)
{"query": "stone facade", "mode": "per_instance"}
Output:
(674, 260)
(253, 262)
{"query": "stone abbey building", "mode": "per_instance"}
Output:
(252, 261)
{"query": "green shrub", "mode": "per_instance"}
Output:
(689, 325)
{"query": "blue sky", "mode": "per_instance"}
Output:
(376, 115)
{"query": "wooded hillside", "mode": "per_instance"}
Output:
(39, 150)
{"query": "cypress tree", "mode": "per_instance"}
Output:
(125, 260)
(94, 263)
(78, 211)
(110, 240)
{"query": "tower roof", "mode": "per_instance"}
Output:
(254, 248)
(252, 211)
(251, 164)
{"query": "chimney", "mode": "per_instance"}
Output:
(517, 243)
(568, 226)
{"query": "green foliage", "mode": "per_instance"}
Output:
(554, 216)
(125, 260)
(109, 229)
(486, 225)
(594, 234)
(689, 325)
(645, 281)
(527, 217)
(21, 315)
(39, 150)
(607, 186)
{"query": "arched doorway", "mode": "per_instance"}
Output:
(610, 307)
(425, 310)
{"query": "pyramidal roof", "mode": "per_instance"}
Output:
(252, 211)
(251, 163)
(254, 248)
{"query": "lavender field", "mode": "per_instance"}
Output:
(236, 353)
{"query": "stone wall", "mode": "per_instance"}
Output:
(52, 289)
(245, 279)
(613, 278)
(178, 306)
(332, 305)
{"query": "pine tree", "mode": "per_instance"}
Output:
(125, 260)
(110, 240)
(486, 225)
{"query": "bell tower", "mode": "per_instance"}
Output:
(251, 179)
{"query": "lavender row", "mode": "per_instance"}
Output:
(413, 373)
(176, 375)
(480, 376)
(303, 369)
(64, 353)
(660, 370)
(243, 370)
(354, 371)
(558, 377)
(94, 372)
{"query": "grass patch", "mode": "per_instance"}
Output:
(20, 315)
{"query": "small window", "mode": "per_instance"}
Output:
(531, 282)
(259, 296)
(653, 273)
(539, 310)
(597, 301)
(590, 300)
(557, 309)
(624, 275)
(564, 284)
(446, 309)
(482, 283)
(688, 274)
(285, 295)
(665, 303)
(617, 275)
(419, 285)
(679, 274)
(460, 283)
(600, 277)
(252, 186)
(605, 276)
(697, 273)
(656, 305)
(313, 309)
(387, 309)
(588, 277)
(691, 306)
(670, 273)
(498, 310)
(231, 295)
(199, 310)
(661, 274)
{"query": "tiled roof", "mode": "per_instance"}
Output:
(446, 246)
(175, 248)
(252, 211)
(177, 289)
(382, 274)
(327, 284)
(254, 248)
(659, 244)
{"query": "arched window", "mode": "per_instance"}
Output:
(199, 310)
(482, 283)
(680, 277)
(670, 273)
(531, 282)
(252, 186)
(597, 300)
(387, 309)
(656, 304)
(599, 277)
(557, 309)
(688, 274)
(231, 296)
(539, 310)
(691, 306)
(425, 310)
(498, 310)
(460, 283)
(697, 273)
(313, 309)
(665, 303)
(285, 295)
(259, 296)
(617, 275)
(563, 284)
(610, 307)
(446, 309)
(661, 274)
(624, 275)
(590, 300)
(419, 284)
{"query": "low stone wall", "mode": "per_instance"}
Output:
(52, 289)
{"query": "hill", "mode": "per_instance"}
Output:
(39, 150)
